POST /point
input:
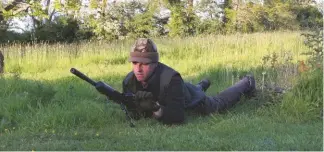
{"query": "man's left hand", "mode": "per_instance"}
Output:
(146, 102)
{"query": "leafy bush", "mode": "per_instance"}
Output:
(255, 18)
(62, 30)
(309, 17)
(210, 26)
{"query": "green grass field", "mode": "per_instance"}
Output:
(44, 107)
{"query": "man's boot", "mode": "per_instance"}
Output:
(203, 84)
(251, 92)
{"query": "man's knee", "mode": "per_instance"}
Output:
(206, 106)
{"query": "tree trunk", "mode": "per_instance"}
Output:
(1, 63)
(173, 2)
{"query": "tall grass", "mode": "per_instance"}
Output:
(305, 101)
(40, 99)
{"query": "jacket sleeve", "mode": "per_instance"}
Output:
(125, 90)
(173, 110)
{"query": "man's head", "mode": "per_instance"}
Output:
(144, 57)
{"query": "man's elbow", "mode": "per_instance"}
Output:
(173, 117)
(174, 122)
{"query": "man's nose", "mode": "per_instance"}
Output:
(139, 68)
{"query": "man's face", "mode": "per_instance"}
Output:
(143, 70)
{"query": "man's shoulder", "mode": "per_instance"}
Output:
(169, 75)
(128, 76)
(169, 69)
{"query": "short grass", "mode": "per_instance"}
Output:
(44, 107)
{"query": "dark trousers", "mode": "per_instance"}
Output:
(224, 99)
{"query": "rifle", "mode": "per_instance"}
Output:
(126, 101)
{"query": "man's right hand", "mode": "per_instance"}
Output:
(146, 101)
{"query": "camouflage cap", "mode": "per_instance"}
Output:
(144, 51)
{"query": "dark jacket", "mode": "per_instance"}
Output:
(169, 89)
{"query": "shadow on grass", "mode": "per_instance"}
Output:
(41, 108)
(64, 103)
(73, 101)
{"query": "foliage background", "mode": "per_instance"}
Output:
(57, 21)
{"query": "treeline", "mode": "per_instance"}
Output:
(73, 20)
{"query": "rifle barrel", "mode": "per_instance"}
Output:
(82, 76)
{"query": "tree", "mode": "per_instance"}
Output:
(7, 11)
(183, 20)
(110, 20)
(210, 8)
(12, 9)
(1, 63)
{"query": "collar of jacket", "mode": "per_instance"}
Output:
(155, 76)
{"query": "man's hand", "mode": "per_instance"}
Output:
(146, 102)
